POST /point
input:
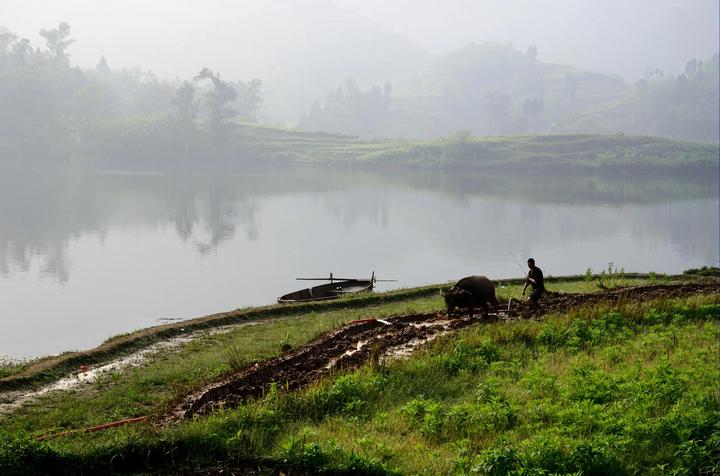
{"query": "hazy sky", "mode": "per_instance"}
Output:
(611, 36)
(177, 37)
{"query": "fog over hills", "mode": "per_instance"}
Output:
(301, 50)
(612, 36)
(304, 49)
(399, 69)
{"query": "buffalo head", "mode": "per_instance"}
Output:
(456, 297)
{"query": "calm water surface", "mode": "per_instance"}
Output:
(84, 256)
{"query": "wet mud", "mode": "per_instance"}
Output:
(359, 342)
(10, 400)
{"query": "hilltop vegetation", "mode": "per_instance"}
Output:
(158, 142)
(493, 89)
(55, 112)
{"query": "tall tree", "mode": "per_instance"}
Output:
(387, 91)
(22, 53)
(253, 97)
(58, 40)
(218, 100)
(186, 110)
(6, 40)
(531, 52)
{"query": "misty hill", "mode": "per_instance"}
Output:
(300, 50)
(333, 44)
(55, 111)
(304, 50)
(128, 145)
(494, 89)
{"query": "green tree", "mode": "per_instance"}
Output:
(6, 41)
(250, 97)
(218, 100)
(22, 53)
(58, 40)
(185, 104)
(387, 91)
(186, 110)
(93, 102)
(531, 52)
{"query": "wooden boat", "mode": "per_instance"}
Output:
(334, 289)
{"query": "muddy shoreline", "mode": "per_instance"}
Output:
(356, 343)
(48, 369)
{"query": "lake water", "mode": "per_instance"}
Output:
(84, 256)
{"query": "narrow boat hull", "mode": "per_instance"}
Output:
(328, 291)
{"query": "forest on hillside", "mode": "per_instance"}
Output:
(493, 89)
(54, 109)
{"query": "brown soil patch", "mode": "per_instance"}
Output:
(356, 343)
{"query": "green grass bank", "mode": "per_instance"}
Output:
(622, 389)
(153, 142)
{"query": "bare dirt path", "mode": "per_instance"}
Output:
(356, 343)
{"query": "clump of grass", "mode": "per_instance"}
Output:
(285, 343)
(10, 367)
(235, 359)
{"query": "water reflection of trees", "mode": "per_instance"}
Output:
(41, 214)
(353, 206)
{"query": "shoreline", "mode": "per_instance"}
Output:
(47, 369)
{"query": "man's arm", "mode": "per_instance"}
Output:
(528, 280)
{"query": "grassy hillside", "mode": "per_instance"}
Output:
(156, 142)
(611, 389)
(577, 151)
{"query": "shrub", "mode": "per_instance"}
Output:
(551, 336)
(587, 383)
(472, 358)
(24, 455)
(549, 453)
(497, 461)
(297, 452)
(348, 395)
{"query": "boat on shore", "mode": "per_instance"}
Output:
(336, 288)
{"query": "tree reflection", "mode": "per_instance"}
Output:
(42, 213)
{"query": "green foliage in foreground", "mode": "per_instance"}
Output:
(611, 390)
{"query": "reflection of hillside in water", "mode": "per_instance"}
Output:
(568, 189)
(690, 227)
(351, 207)
(42, 214)
(478, 217)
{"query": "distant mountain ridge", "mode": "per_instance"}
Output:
(491, 89)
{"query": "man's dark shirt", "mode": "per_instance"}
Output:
(536, 274)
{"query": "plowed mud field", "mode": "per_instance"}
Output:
(360, 341)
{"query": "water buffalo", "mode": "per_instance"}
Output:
(471, 292)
